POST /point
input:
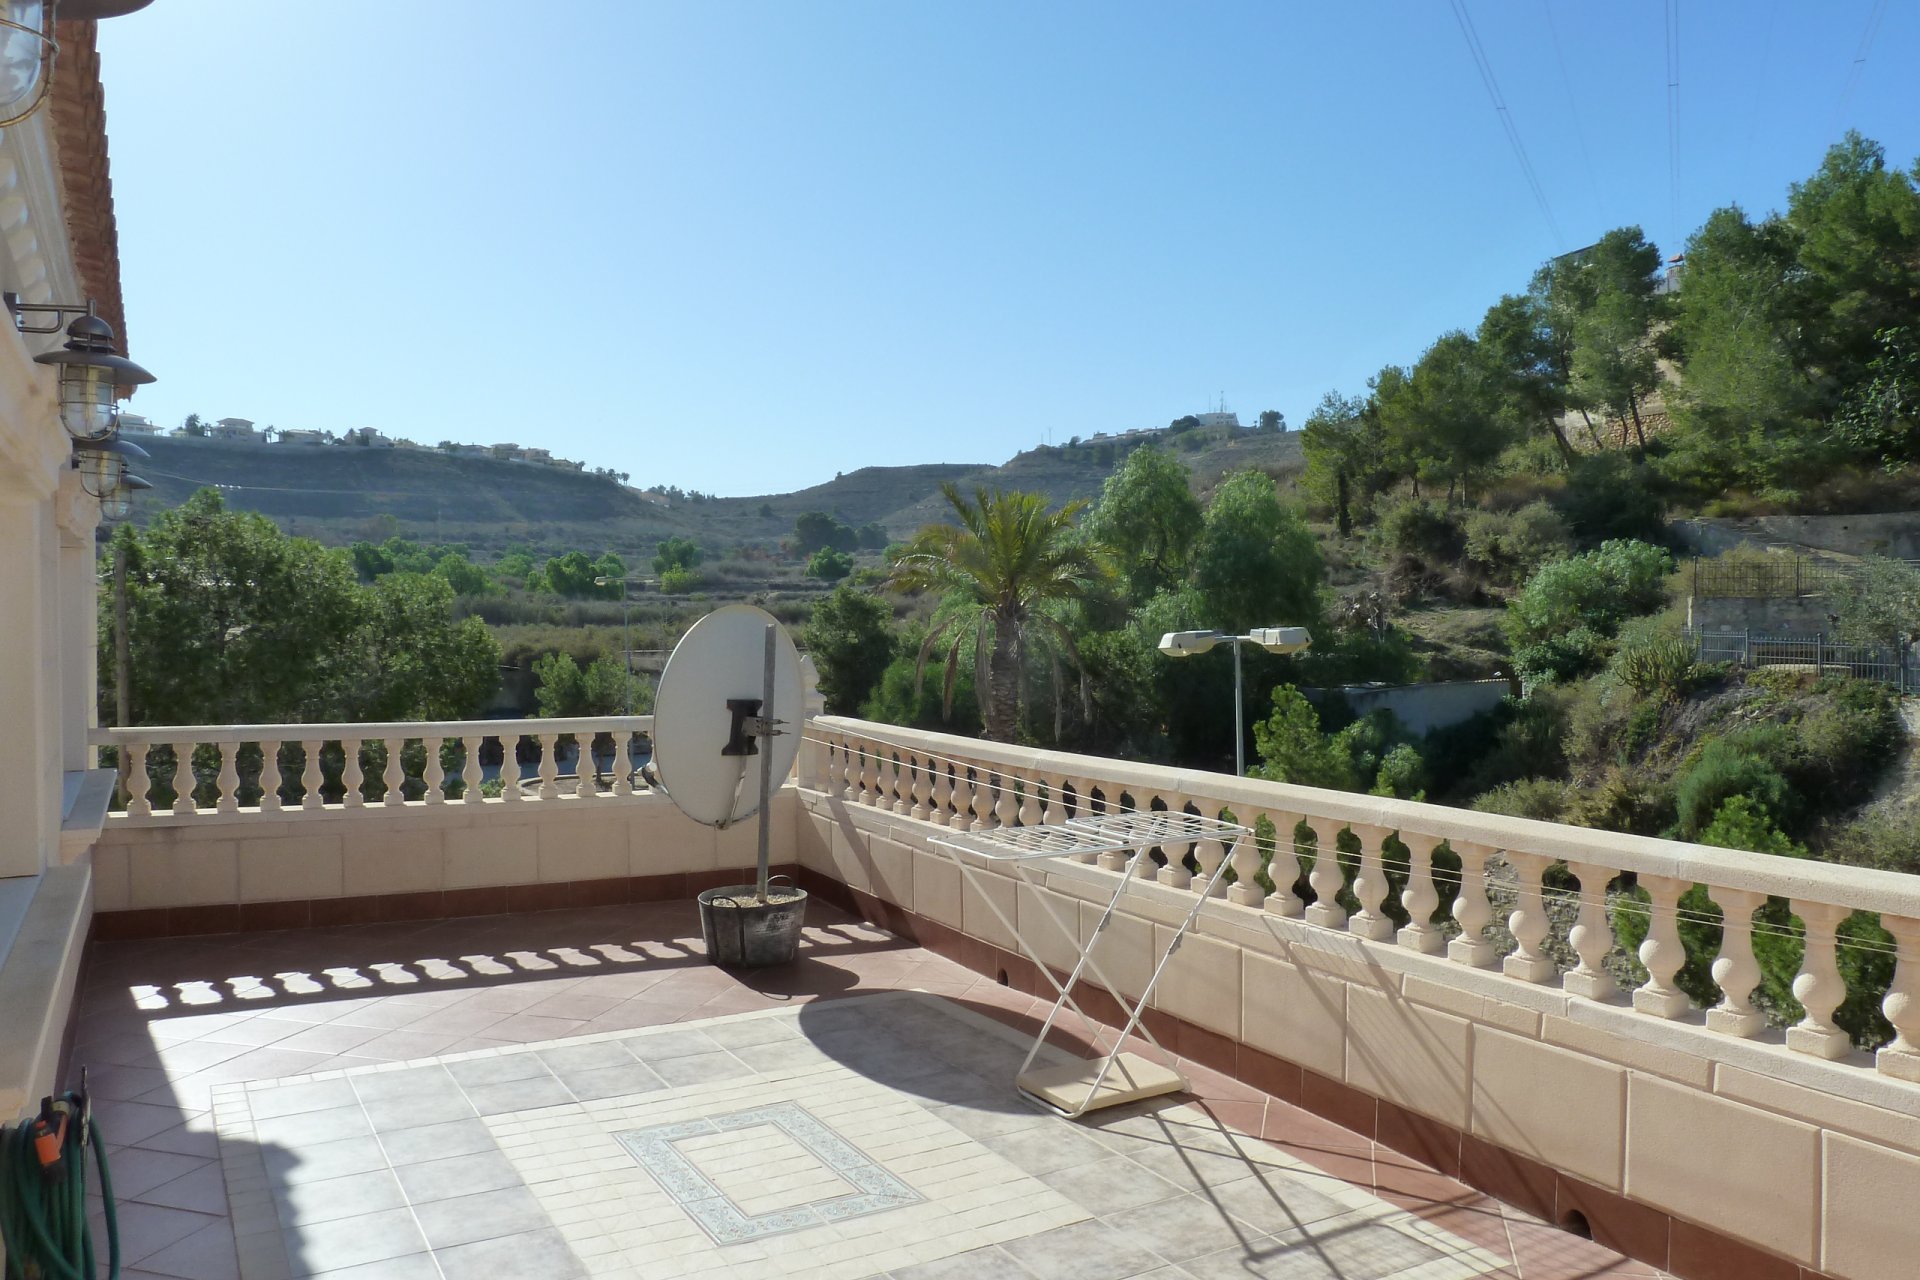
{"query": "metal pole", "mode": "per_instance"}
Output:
(1239, 735)
(766, 764)
(626, 641)
(122, 696)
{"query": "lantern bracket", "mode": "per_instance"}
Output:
(59, 311)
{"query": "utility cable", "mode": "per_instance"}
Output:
(1673, 109)
(1573, 110)
(1857, 69)
(1485, 68)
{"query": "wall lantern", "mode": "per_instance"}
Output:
(102, 464)
(118, 504)
(27, 47)
(91, 372)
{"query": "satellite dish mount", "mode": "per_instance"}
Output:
(720, 750)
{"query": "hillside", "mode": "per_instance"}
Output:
(339, 494)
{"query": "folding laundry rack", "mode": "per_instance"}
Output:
(1074, 1088)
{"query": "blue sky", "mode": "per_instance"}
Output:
(740, 247)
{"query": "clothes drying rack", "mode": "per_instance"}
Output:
(1073, 1088)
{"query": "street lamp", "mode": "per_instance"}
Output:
(1185, 644)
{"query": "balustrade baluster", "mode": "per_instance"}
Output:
(1900, 1057)
(621, 770)
(1591, 936)
(270, 776)
(836, 766)
(510, 769)
(942, 792)
(1245, 861)
(1528, 924)
(584, 768)
(1006, 807)
(139, 805)
(1030, 810)
(1173, 871)
(1370, 888)
(1325, 879)
(1284, 867)
(1472, 909)
(962, 797)
(984, 784)
(1421, 899)
(183, 780)
(1819, 987)
(1208, 854)
(395, 774)
(433, 775)
(1735, 971)
(350, 776)
(549, 766)
(867, 776)
(922, 786)
(1661, 951)
(226, 784)
(312, 778)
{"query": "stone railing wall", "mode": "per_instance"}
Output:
(218, 769)
(1451, 982)
(386, 821)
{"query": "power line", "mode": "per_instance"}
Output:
(1673, 108)
(1480, 62)
(1759, 83)
(1573, 109)
(226, 487)
(1857, 69)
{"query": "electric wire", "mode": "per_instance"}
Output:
(1856, 70)
(1441, 875)
(1673, 108)
(1759, 81)
(1481, 63)
(1573, 110)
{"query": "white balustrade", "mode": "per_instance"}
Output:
(1370, 888)
(1591, 936)
(1421, 898)
(1284, 869)
(270, 776)
(1326, 878)
(1528, 924)
(1735, 971)
(1245, 856)
(1472, 910)
(1818, 986)
(1900, 1058)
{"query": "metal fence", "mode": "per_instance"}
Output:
(1775, 577)
(1814, 654)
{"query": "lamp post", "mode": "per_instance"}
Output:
(1185, 644)
(626, 637)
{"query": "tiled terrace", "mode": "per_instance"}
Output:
(459, 1163)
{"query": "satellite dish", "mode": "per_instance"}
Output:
(716, 672)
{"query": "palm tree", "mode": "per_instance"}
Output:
(1008, 558)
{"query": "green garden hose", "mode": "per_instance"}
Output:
(43, 1193)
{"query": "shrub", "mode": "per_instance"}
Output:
(1561, 621)
(1418, 527)
(1292, 748)
(1542, 798)
(1607, 496)
(1654, 661)
(829, 565)
(1403, 774)
(1889, 840)
(1726, 768)
(679, 580)
(1509, 545)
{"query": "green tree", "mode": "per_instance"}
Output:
(816, 529)
(603, 688)
(1614, 363)
(677, 553)
(1529, 383)
(1345, 452)
(571, 575)
(1256, 564)
(872, 536)
(850, 637)
(829, 565)
(1293, 749)
(1446, 420)
(370, 561)
(1148, 517)
(465, 577)
(1272, 421)
(1879, 603)
(231, 621)
(1008, 560)
(514, 567)
(1881, 415)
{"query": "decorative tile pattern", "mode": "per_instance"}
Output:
(868, 1187)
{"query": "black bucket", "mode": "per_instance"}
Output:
(742, 933)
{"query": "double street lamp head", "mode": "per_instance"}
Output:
(1184, 644)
